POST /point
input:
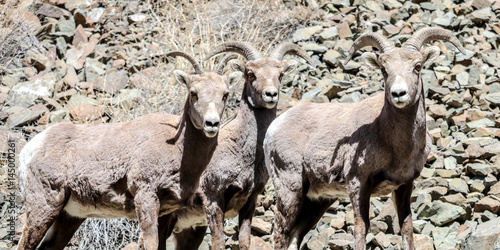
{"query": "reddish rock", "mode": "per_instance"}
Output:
(344, 30)
(86, 113)
(80, 36)
(71, 78)
(50, 10)
(259, 244)
(487, 203)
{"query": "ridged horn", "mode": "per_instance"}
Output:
(242, 48)
(370, 39)
(197, 67)
(422, 36)
(220, 66)
(289, 48)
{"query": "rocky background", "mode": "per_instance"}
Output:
(103, 61)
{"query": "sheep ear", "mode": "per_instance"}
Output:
(430, 54)
(289, 66)
(235, 77)
(371, 59)
(237, 65)
(182, 77)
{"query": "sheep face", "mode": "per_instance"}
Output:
(263, 79)
(207, 98)
(402, 73)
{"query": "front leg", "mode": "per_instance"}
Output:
(245, 222)
(215, 220)
(147, 207)
(359, 193)
(402, 200)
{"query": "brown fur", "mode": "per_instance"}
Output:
(140, 169)
(318, 152)
(237, 174)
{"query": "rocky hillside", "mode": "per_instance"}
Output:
(103, 61)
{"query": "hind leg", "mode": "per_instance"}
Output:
(190, 238)
(288, 203)
(166, 225)
(310, 213)
(245, 222)
(42, 211)
(61, 231)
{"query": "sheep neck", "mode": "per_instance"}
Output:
(197, 150)
(404, 129)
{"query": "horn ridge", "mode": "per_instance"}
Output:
(370, 39)
(222, 63)
(242, 48)
(198, 69)
(422, 36)
(283, 49)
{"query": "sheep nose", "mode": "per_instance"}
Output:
(398, 92)
(212, 124)
(272, 93)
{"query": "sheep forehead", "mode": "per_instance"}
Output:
(265, 63)
(209, 81)
(400, 58)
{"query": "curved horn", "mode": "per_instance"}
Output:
(245, 49)
(422, 36)
(220, 66)
(370, 39)
(197, 67)
(289, 48)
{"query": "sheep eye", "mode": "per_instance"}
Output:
(418, 67)
(251, 75)
(281, 76)
(193, 94)
(224, 98)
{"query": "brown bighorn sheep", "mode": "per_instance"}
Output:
(237, 174)
(318, 152)
(141, 169)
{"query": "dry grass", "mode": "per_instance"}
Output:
(194, 27)
(16, 35)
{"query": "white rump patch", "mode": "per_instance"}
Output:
(26, 155)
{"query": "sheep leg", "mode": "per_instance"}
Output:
(166, 225)
(38, 221)
(190, 238)
(310, 213)
(61, 231)
(147, 207)
(245, 222)
(402, 200)
(288, 205)
(215, 219)
(360, 199)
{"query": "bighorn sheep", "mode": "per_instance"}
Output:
(318, 152)
(140, 169)
(236, 175)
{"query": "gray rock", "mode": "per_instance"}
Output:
(463, 78)
(305, 33)
(22, 117)
(331, 57)
(315, 48)
(93, 69)
(443, 213)
(481, 15)
(24, 94)
(445, 20)
(113, 82)
(493, 98)
(328, 34)
(77, 100)
(485, 236)
(444, 238)
(458, 185)
(479, 169)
